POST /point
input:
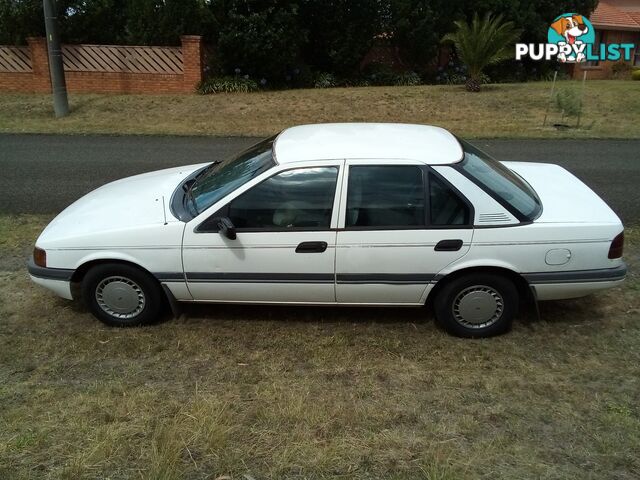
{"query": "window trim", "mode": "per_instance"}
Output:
(216, 215)
(523, 219)
(388, 227)
(273, 163)
(467, 202)
(427, 171)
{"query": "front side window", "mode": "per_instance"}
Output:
(220, 179)
(300, 198)
(501, 183)
(385, 196)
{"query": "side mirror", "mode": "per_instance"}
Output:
(227, 228)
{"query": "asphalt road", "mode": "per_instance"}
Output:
(45, 173)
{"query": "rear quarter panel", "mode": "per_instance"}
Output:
(523, 249)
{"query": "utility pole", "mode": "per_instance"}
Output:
(58, 84)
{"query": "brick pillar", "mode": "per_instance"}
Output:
(192, 58)
(40, 64)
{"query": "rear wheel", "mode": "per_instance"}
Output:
(121, 295)
(477, 305)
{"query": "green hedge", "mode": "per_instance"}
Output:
(227, 85)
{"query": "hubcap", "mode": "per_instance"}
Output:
(478, 306)
(120, 297)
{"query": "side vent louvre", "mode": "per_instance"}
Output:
(494, 218)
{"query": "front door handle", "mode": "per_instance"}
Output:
(311, 247)
(448, 245)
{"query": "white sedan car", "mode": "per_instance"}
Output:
(337, 214)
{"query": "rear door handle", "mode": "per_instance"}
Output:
(311, 247)
(448, 245)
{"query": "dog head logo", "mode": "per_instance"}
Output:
(571, 32)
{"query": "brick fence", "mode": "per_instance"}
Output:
(105, 69)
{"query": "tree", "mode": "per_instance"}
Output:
(162, 22)
(486, 41)
(416, 27)
(340, 33)
(20, 19)
(260, 39)
(95, 21)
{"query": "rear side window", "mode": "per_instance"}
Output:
(300, 198)
(385, 196)
(445, 205)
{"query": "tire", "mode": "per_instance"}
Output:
(477, 305)
(122, 295)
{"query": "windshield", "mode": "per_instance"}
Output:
(222, 178)
(501, 183)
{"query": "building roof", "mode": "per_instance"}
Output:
(329, 141)
(616, 15)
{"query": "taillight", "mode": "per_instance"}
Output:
(40, 257)
(615, 250)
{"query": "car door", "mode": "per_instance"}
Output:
(284, 250)
(399, 225)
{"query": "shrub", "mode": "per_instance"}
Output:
(407, 79)
(620, 69)
(483, 42)
(569, 102)
(635, 75)
(354, 82)
(548, 76)
(325, 80)
(379, 74)
(227, 85)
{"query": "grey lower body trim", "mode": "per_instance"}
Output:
(170, 276)
(341, 278)
(577, 276)
(63, 274)
(224, 277)
(385, 278)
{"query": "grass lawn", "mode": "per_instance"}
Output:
(256, 392)
(612, 110)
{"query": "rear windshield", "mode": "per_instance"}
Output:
(511, 191)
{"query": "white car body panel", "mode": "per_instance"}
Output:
(403, 262)
(563, 291)
(559, 254)
(61, 288)
(126, 220)
(567, 199)
(210, 255)
(426, 144)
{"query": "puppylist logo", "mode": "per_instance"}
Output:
(571, 39)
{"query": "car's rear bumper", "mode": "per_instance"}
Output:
(58, 280)
(576, 283)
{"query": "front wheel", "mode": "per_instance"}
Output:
(477, 305)
(121, 295)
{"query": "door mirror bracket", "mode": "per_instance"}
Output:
(227, 228)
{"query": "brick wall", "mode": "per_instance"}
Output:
(38, 80)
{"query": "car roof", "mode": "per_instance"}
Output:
(330, 141)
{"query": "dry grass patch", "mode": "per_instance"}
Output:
(612, 110)
(257, 392)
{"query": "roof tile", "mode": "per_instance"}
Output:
(606, 14)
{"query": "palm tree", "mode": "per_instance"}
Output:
(483, 43)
